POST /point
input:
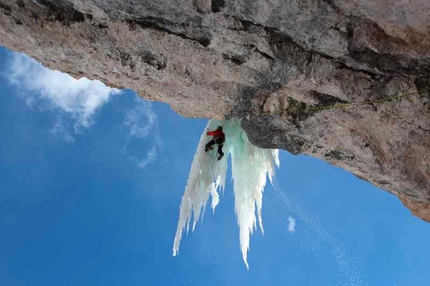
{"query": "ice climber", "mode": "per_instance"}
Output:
(218, 138)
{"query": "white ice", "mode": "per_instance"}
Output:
(250, 167)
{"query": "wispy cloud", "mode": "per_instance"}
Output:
(291, 224)
(150, 158)
(140, 121)
(59, 130)
(347, 269)
(76, 100)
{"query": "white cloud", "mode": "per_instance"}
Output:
(59, 130)
(77, 102)
(43, 88)
(291, 224)
(150, 158)
(140, 121)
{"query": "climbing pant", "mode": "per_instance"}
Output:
(220, 143)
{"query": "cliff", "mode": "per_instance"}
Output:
(264, 61)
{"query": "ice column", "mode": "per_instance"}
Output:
(250, 167)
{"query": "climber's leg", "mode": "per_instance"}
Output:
(209, 145)
(220, 153)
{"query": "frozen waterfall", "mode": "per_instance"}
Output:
(250, 167)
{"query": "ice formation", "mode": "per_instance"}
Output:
(250, 167)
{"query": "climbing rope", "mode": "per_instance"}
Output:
(366, 102)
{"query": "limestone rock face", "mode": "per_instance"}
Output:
(266, 62)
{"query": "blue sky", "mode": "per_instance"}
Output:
(91, 181)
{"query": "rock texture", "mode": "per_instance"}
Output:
(264, 61)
